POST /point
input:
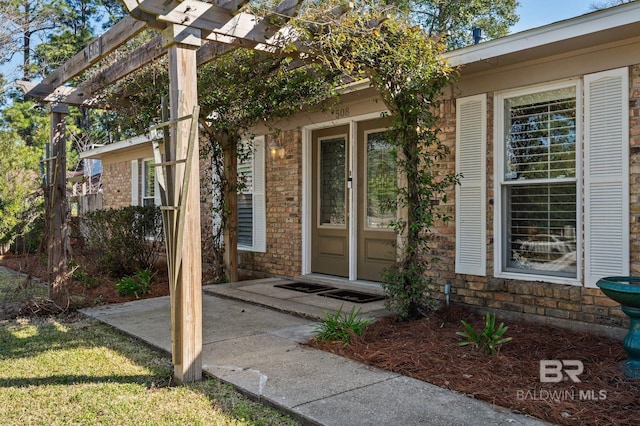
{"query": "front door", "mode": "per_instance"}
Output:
(377, 185)
(330, 201)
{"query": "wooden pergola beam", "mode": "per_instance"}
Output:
(221, 23)
(82, 95)
(115, 37)
(135, 60)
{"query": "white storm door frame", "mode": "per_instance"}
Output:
(307, 190)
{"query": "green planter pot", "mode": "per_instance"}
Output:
(626, 291)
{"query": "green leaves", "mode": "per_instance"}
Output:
(489, 340)
(136, 285)
(339, 326)
(408, 71)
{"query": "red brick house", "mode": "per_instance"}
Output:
(542, 124)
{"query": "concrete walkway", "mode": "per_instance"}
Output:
(258, 351)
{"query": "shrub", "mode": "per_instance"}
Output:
(79, 274)
(124, 240)
(136, 285)
(339, 326)
(405, 286)
(489, 340)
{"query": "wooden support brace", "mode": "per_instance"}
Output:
(170, 163)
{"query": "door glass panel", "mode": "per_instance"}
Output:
(332, 192)
(381, 181)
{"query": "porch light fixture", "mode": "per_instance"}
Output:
(276, 147)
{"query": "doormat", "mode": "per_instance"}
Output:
(305, 287)
(353, 296)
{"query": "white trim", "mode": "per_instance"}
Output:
(580, 26)
(306, 134)
(499, 183)
(135, 185)
(126, 143)
(353, 201)
(307, 160)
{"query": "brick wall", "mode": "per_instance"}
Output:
(116, 185)
(536, 300)
(283, 189)
(545, 302)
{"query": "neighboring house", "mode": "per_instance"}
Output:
(543, 126)
(128, 174)
(85, 194)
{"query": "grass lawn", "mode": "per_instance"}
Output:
(64, 371)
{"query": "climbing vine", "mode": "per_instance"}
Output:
(407, 69)
(328, 47)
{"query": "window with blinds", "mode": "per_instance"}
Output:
(148, 183)
(539, 183)
(245, 198)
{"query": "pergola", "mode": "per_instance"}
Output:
(193, 32)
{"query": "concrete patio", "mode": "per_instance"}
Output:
(260, 351)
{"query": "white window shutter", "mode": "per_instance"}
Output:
(606, 175)
(259, 207)
(135, 183)
(471, 150)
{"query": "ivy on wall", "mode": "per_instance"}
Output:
(371, 40)
(407, 69)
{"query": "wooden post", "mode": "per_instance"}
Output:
(57, 206)
(186, 300)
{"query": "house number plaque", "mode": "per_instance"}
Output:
(340, 113)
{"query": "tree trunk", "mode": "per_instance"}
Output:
(231, 208)
(57, 208)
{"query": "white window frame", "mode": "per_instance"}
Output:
(499, 167)
(156, 187)
(259, 221)
(135, 183)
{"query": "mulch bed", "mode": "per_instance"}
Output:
(428, 350)
(101, 291)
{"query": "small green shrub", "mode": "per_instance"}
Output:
(406, 290)
(79, 274)
(135, 285)
(339, 326)
(83, 278)
(489, 340)
(124, 240)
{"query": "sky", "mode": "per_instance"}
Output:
(536, 13)
(533, 13)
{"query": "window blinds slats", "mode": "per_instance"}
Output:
(252, 231)
(259, 207)
(606, 175)
(471, 248)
